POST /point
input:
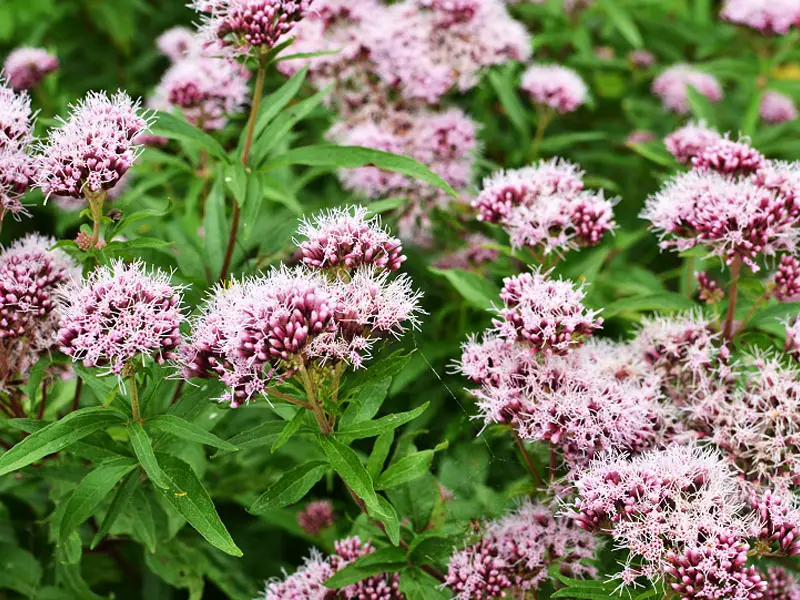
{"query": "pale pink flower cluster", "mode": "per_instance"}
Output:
(475, 253)
(690, 140)
(89, 153)
(248, 27)
(25, 67)
(729, 158)
(781, 585)
(708, 290)
(30, 275)
(307, 583)
(206, 88)
(778, 525)
(556, 87)
(16, 166)
(643, 59)
(786, 280)
(264, 330)
(771, 17)
(678, 512)
(777, 108)
(316, 516)
(120, 313)
(671, 86)
(792, 345)
(546, 206)
(514, 553)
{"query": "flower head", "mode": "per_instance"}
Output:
(119, 313)
(90, 152)
(781, 585)
(773, 17)
(777, 108)
(26, 67)
(248, 27)
(641, 58)
(729, 158)
(690, 140)
(16, 175)
(783, 178)
(178, 43)
(16, 118)
(640, 136)
(558, 87)
(779, 520)
(547, 314)
(671, 86)
(734, 219)
(307, 583)
(787, 280)
(316, 516)
(348, 238)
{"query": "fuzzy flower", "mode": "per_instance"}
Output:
(781, 585)
(178, 42)
(678, 512)
(671, 86)
(787, 280)
(119, 313)
(640, 136)
(792, 346)
(777, 108)
(514, 553)
(473, 254)
(316, 516)
(30, 275)
(16, 175)
(729, 158)
(733, 219)
(690, 140)
(423, 49)
(782, 178)
(207, 89)
(248, 27)
(348, 238)
(545, 206)
(16, 119)
(779, 521)
(770, 17)
(546, 314)
(708, 290)
(307, 583)
(643, 59)
(558, 87)
(759, 428)
(26, 67)
(90, 152)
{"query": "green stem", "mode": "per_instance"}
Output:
(248, 142)
(96, 208)
(546, 115)
(727, 330)
(316, 407)
(527, 458)
(134, 398)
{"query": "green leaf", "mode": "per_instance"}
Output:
(144, 526)
(383, 560)
(274, 103)
(387, 367)
(254, 197)
(391, 521)
(623, 23)
(58, 436)
(349, 157)
(236, 180)
(475, 289)
(172, 127)
(700, 105)
(195, 505)
(291, 487)
(347, 464)
(118, 504)
(21, 571)
(365, 404)
(587, 589)
(558, 142)
(381, 206)
(751, 114)
(507, 94)
(215, 227)
(380, 426)
(774, 313)
(91, 491)
(188, 431)
(143, 449)
(655, 152)
(263, 434)
(418, 585)
(665, 302)
(380, 452)
(406, 469)
(290, 429)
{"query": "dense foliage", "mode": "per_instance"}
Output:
(422, 300)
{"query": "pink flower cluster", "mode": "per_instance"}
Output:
(30, 276)
(545, 206)
(307, 583)
(772, 17)
(118, 314)
(781, 585)
(786, 280)
(248, 27)
(691, 140)
(779, 521)
(26, 67)
(792, 345)
(471, 256)
(777, 108)
(316, 517)
(556, 87)
(273, 326)
(671, 86)
(89, 153)
(708, 290)
(734, 203)
(514, 553)
(207, 88)
(678, 512)
(16, 167)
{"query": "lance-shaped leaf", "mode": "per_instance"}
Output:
(188, 431)
(291, 487)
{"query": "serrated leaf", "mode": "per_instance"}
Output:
(418, 585)
(291, 487)
(172, 127)
(215, 228)
(350, 157)
(406, 469)
(380, 426)
(118, 504)
(289, 430)
(263, 434)
(347, 464)
(91, 491)
(143, 448)
(188, 431)
(273, 104)
(379, 454)
(774, 313)
(194, 504)
(58, 436)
